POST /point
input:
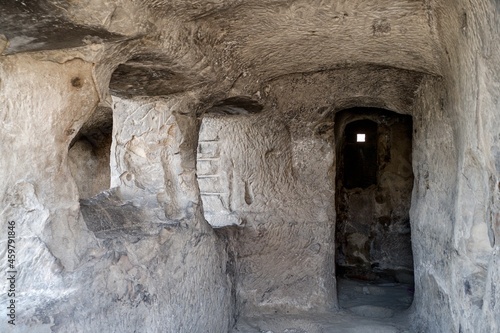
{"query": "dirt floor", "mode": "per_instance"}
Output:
(365, 308)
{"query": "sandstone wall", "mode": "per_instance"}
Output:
(120, 271)
(141, 255)
(273, 176)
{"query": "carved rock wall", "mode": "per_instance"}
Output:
(105, 274)
(141, 254)
(455, 199)
(374, 183)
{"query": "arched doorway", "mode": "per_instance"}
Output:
(374, 181)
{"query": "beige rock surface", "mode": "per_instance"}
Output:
(224, 111)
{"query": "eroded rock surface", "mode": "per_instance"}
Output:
(126, 125)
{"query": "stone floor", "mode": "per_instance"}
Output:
(365, 308)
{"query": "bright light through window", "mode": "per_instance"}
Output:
(360, 137)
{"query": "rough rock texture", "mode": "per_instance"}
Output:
(455, 211)
(276, 178)
(136, 254)
(69, 280)
(373, 232)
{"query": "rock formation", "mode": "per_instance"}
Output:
(172, 166)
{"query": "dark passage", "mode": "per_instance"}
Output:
(373, 195)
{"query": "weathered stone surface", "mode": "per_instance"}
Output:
(69, 280)
(454, 208)
(130, 250)
(264, 185)
(42, 25)
(374, 182)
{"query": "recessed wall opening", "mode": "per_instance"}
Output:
(89, 154)
(374, 181)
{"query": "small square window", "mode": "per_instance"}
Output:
(360, 137)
